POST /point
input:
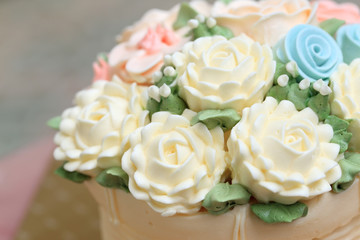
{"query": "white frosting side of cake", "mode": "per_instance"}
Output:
(124, 217)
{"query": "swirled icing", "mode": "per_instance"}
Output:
(173, 165)
(281, 154)
(348, 38)
(314, 50)
(218, 73)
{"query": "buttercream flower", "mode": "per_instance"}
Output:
(345, 98)
(173, 165)
(328, 9)
(94, 132)
(264, 21)
(143, 46)
(348, 38)
(316, 53)
(101, 70)
(218, 73)
(281, 154)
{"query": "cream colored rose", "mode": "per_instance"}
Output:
(264, 21)
(94, 132)
(142, 47)
(173, 165)
(218, 73)
(345, 99)
(281, 154)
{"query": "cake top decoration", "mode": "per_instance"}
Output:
(208, 106)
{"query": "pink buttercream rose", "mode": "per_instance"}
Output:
(264, 21)
(142, 47)
(348, 12)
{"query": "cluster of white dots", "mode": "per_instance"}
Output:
(157, 92)
(320, 86)
(194, 23)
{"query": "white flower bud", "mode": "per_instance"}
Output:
(292, 68)
(304, 84)
(165, 90)
(157, 76)
(200, 18)
(211, 22)
(193, 23)
(154, 93)
(168, 60)
(170, 71)
(283, 80)
(325, 90)
(318, 84)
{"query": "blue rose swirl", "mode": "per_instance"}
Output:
(316, 53)
(348, 38)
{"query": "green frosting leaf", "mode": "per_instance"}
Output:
(320, 105)
(298, 96)
(226, 1)
(341, 134)
(212, 118)
(204, 31)
(224, 196)
(331, 25)
(54, 123)
(72, 176)
(350, 167)
(186, 13)
(279, 213)
(173, 104)
(103, 56)
(168, 80)
(279, 93)
(152, 106)
(114, 177)
(281, 70)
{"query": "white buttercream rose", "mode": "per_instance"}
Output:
(173, 165)
(143, 46)
(217, 73)
(264, 21)
(281, 154)
(345, 97)
(94, 132)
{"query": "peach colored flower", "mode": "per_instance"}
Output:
(348, 12)
(101, 70)
(143, 46)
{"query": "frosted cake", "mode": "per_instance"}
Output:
(233, 120)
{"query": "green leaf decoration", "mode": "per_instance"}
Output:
(350, 167)
(331, 25)
(279, 213)
(279, 93)
(212, 118)
(168, 80)
(54, 123)
(186, 13)
(152, 106)
(341, 134)
(173, 104)
(114, 177)
(298, 96)
(72, 176)
(103, 56)
(204, 31)
(224, 196)
(320, 105)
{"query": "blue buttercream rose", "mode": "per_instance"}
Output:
(314, 50)
(348, 38)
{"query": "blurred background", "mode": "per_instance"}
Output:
(47, 48)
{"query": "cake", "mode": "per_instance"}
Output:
(234, 120)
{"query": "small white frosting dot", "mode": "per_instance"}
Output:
(165, 91)
(200, 18)
(283, 80)
(304, 84)
(154, 93)
(157, 76)
(292, 67)
(169, 71)
(318, 84)
(193, 23)
(168, 60)
(325, 90)
(211, 22)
